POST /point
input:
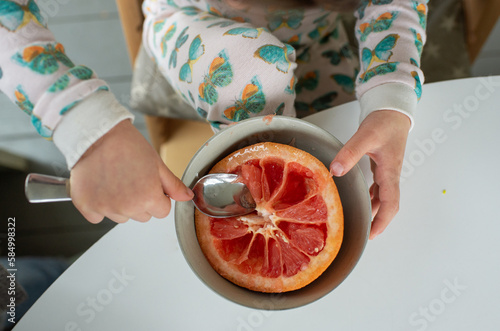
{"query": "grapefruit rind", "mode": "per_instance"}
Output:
(323, 186)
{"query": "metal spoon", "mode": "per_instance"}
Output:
(222, 195)
(216, 195)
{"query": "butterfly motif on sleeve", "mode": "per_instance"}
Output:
(191, 97)
(334, 34)
(79, 72)
(190, 10)
(22, 100)
(365, 3)
(321, 24)
(323, 102)
(210, 14)
(213, 14)
(216, 125)
(421, 10)
(252, 101)
(418, 84)
(220, 74)
(277, 55)
(158, 26)
(381, 53)
(43, 59)
(202, 112)
(281, 108)
(222, 23)
(291, 19)
(336, 56)
(42, 130)
(181, 40)
(419, 44)
(309, 81)
(379, 70)
(381, 23)
(294, 41)
(304, 56)
(171, 3)
(196, 50)
(290, 88)
(166, 37)
(245, 32)
(414, 62)
(14, 16)
(347, 83)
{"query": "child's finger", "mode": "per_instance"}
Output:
(173, 186)
(388, 196)
(161, 207)
(117, 218)
(91, 216)
(141, 217)
(351, 153)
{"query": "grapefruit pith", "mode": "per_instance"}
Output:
(295, 232)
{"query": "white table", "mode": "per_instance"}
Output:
(436, 267)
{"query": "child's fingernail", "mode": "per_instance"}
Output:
(336, 169)
(189, 193)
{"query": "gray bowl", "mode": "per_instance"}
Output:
(352, 188)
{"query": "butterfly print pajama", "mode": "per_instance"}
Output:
(228, 62)
(234, 63)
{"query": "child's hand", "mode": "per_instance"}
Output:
(122, 177)
(382, 136)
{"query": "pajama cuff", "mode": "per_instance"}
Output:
(392, 96)
(86, 122)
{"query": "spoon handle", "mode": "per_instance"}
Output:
(43, 188)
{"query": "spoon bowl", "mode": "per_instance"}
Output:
(222, 195)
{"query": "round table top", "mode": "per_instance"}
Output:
(436, 266)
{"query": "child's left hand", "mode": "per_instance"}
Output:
(382, 136)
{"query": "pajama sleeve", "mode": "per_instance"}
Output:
(66, 102)
(391, 35)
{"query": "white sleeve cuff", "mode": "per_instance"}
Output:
(86, 122)
(391, 96)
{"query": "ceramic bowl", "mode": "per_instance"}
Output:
(352, 188)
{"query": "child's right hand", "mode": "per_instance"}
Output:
(382, 136)
(122, 177)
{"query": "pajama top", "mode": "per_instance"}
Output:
(228, 62)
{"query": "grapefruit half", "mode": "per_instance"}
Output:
(295, 232)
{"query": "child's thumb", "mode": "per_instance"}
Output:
(173, 186)
(350, 154)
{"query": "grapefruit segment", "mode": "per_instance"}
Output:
(273, 176)
(293, 260)
(296, 230)
(252, 174)
(313, 210)
(310, 239)
(272, 268)
(228, 228)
